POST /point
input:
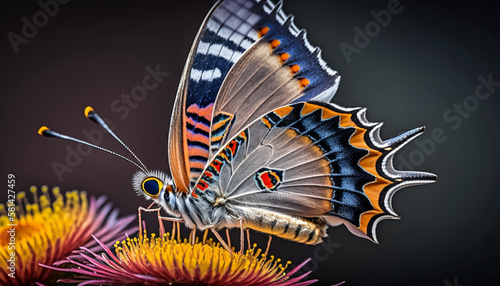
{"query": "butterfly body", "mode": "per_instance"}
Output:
(210, 210)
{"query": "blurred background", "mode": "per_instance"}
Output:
(432, 63)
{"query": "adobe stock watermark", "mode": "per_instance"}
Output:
(9, 236)
(40, 19)
(121, 106)
(454, 117)
(362, 37)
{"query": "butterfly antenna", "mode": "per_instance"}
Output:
(92, 115)
(47, 132)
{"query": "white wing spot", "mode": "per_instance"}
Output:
(197, 75)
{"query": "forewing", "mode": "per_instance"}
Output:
(312, 159)
(227, 31)
(289, 71)
(280, 68)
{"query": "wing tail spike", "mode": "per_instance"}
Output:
(375, 133)
(361, 115)
(317, 52)
(408, 179)
(396, 143)
(276, 9)
(418, 177)
(399, 141)
(288, 21)
(306, 41)
(372, 234)
(302, 34)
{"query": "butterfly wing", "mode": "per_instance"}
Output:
(248, 43)
(312, 159)
(227, 31)
(281, 67)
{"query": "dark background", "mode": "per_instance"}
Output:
(424, 62)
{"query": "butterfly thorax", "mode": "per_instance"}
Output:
(200, 212)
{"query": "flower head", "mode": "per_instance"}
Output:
(168, 261)
(49, 230)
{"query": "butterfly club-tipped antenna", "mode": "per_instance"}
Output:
(92, 115)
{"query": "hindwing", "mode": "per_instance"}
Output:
(312, 159)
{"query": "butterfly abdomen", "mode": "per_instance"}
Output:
(303, 230)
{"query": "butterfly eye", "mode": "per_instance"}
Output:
(152, 186)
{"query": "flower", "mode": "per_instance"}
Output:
(46, 231)
(166, 260)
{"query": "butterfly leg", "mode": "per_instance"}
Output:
(148, 209)
(160, 219)
(268, 245)
(174, 228)
(175, 220)
(220, 239)
(178, 231)
(192, 236)
(205, 234)
(242, 237)
(248, 238)
(228, 238)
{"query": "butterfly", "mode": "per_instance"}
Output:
(255, 143)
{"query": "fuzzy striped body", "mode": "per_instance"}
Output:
(308, 231)
(212, 210)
